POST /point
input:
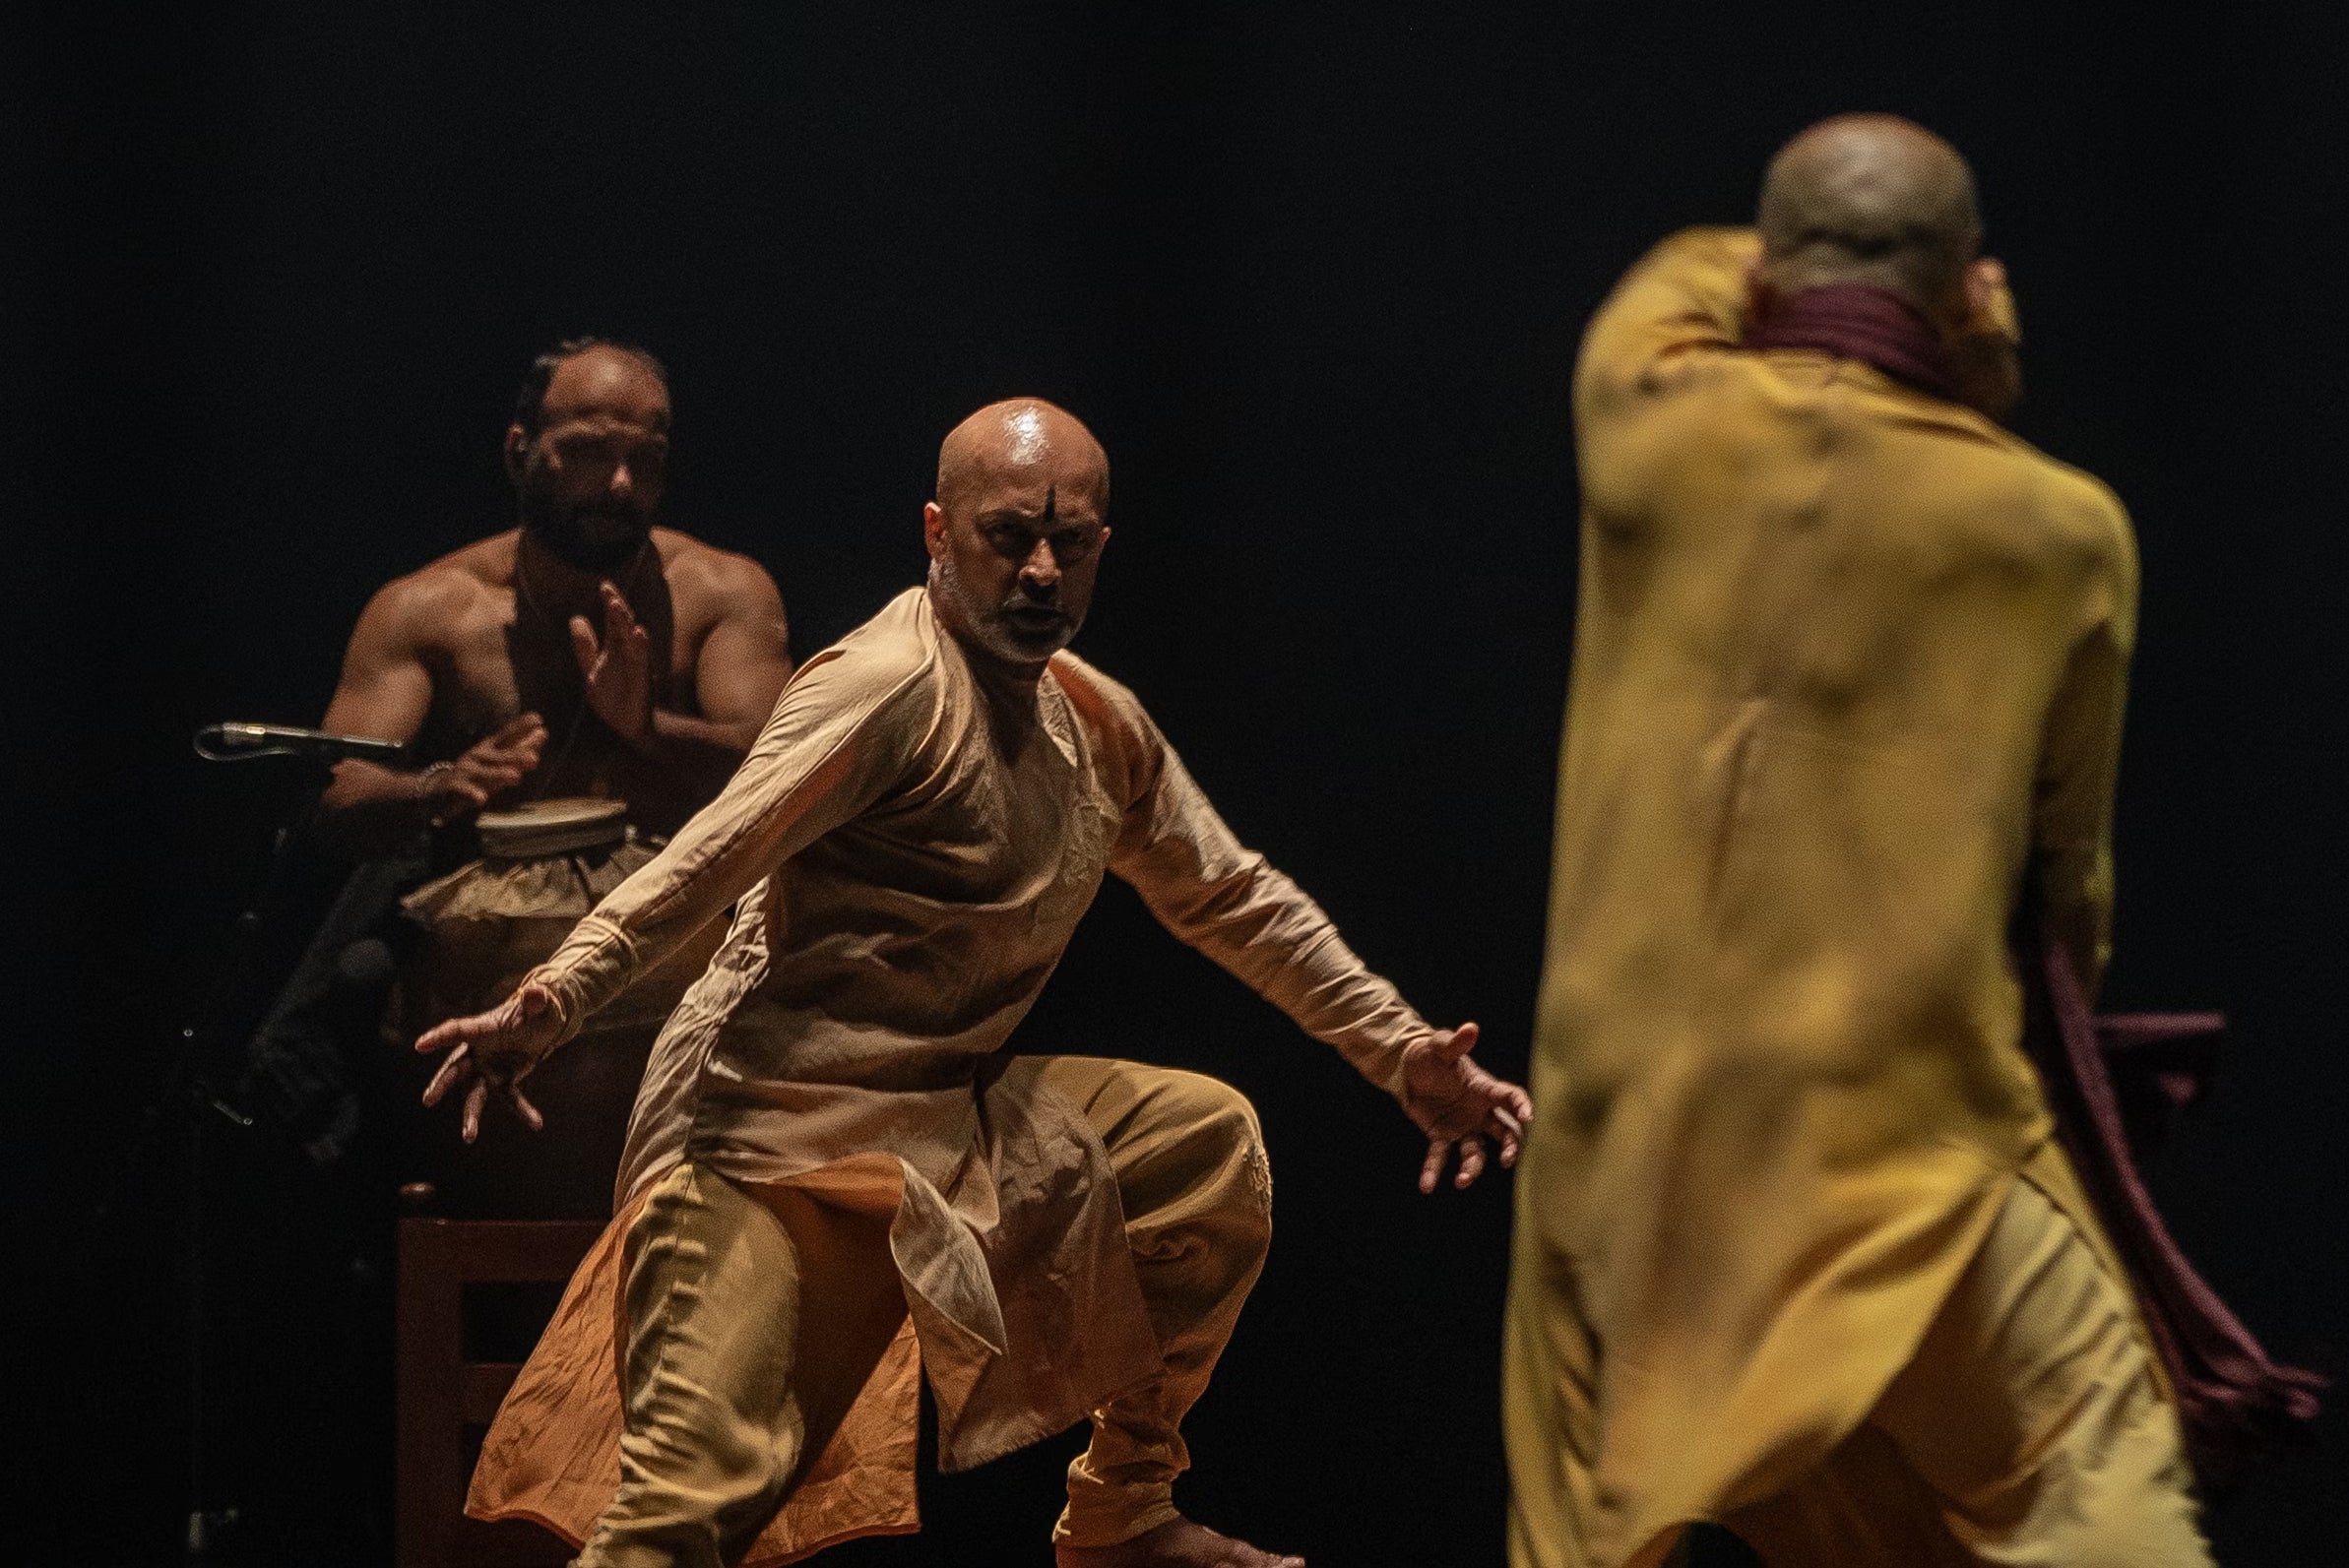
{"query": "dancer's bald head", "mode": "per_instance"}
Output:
(1026, 441)
(1016, 532)
(1871, 199)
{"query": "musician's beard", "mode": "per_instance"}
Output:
(599, 539)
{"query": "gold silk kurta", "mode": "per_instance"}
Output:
(1848, 678)
(907, 850)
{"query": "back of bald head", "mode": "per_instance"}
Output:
(1021, 438)
(1870, 199)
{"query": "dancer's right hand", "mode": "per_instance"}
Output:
(493, 1052)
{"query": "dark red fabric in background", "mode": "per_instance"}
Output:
(2234, 1400)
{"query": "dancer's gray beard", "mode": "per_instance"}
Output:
(979, 623)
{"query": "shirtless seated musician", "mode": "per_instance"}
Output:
(588, 651)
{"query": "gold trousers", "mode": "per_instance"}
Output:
(754, 1322)
(2029, 1432)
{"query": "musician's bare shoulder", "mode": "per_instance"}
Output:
(444, 604)
(435, 607)
(706, 584)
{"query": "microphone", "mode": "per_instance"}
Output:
(236, 742)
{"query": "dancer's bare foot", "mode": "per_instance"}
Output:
(1176, 1544)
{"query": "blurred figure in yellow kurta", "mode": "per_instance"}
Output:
(1795, 1251)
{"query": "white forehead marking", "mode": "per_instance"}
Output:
(1026, 428)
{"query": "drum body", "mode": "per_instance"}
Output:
(482, 928)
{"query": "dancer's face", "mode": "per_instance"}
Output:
(1015, 546)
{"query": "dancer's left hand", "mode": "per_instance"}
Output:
(493, 1052)
(1459, 1106)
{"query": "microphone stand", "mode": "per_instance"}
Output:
(206, 1107)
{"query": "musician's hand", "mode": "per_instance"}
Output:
(619, 670)
(1458, 1105)
(489, 767)
(493, 1052)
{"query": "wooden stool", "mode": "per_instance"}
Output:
(446, 1401)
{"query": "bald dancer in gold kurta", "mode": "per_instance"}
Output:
(833, 1181)
(1795, 1251)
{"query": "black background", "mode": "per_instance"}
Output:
(1315, 278)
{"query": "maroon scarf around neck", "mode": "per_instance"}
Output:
(1859, 321)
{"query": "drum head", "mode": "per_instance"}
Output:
(552, 826)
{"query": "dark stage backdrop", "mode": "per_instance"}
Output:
(1316, 280)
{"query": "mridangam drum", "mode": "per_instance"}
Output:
(483, 928)
(491, 921)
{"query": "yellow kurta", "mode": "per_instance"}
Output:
(907, 850)
(1848, 664)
